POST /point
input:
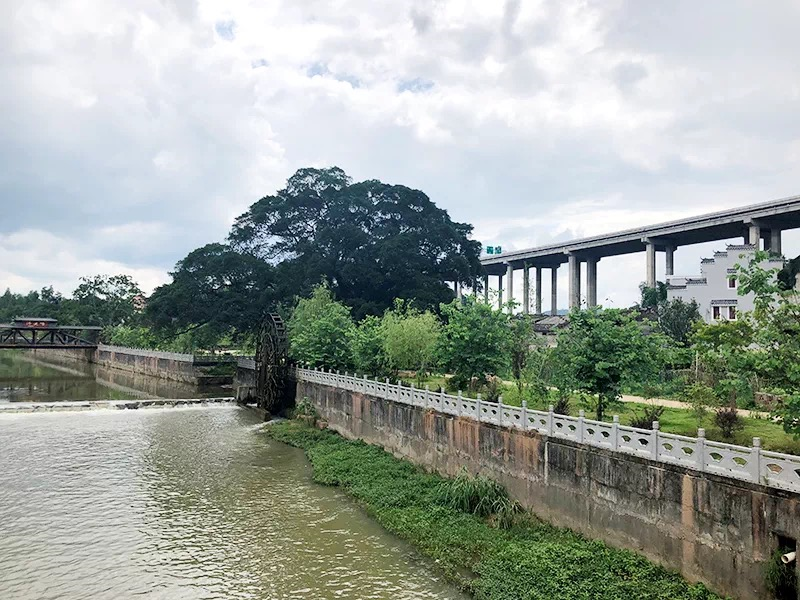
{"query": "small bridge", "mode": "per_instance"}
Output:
(39, 333)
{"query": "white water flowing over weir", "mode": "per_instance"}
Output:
(772, 469)
(184, 503)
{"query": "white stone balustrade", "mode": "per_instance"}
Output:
(753, 464)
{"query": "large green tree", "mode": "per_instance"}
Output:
(216, 288)
(475, 341)
(320, 330)
(372, 241)
(103, 300)
(603, 349)
(775, 347)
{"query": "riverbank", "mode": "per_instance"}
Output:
(531, 560)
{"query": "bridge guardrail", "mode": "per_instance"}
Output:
(752, 464)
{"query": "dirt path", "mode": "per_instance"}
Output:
(685, 405)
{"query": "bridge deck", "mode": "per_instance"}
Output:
(780, 214)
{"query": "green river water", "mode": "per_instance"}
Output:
(174, 504)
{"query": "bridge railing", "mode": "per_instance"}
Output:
(752, 464)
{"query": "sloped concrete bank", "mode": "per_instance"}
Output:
(710, 528)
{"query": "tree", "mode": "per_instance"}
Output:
(775, 338)
(653, 297)
(103, 300)
(475, 341)
(367, 346)
(604, 349)
(320, 330)
(677, 318)
(214, 287)
(411, 338)
(373, 242)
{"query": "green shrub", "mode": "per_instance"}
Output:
(728, 420)
(479, 496)
(650, 413)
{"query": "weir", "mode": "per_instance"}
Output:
(706, 517)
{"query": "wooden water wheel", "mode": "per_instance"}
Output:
(272, 364)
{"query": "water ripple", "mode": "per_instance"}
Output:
(176, 505)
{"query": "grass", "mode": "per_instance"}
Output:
(528, 560)
(680, 421)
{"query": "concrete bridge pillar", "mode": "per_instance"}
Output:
(510, 286)
(650, 248)
(574, 281)
(526, 289)
(499, 292)
(775, 241)
(458, 290)
(554, 290)
(538, 303)
(486, 289)
(670, 250)
(591, 281)
(754, 234)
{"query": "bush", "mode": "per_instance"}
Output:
(493, 389)
(562, 406)
(701, 397)
(728, 420)
(650, 413)
(781, 579)
(479, 496)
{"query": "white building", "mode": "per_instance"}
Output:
(716, 290)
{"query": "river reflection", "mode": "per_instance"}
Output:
(24, 378)
(181, 504)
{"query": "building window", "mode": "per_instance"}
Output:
(715, 313)
(732, 283)
(732, 313)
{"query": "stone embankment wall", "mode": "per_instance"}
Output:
(183, 368)
(711, 528)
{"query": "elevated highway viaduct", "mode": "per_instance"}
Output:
(760, 225)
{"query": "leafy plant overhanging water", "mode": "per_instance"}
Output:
(475, 533)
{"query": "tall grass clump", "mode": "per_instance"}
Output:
(479, 496)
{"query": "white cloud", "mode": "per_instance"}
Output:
(145, 127)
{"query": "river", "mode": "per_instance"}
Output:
(183, 503)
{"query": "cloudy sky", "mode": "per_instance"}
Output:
(133, 131)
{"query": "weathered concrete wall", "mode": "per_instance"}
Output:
(712, 529)
(141, 363)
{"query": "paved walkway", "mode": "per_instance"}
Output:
(685, 405)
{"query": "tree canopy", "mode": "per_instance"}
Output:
(216, 287)
(373, 242)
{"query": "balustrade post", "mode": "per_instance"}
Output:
(458, 404)
(500, 409)
(412, 393)
(615, 433)
(399, 385)
(427, 395)
(581, 425)
(701, 449)
(550, 420)
(387, 388)
(654, 440)
(480, 412)
(524, 415)
(755, 459)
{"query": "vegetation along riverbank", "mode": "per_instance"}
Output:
(476, 534)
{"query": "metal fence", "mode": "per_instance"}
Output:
(773, 469)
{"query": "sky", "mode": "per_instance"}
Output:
(134, 131)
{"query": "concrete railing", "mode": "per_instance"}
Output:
(148, 353)
(246, 362)
(772, 469)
